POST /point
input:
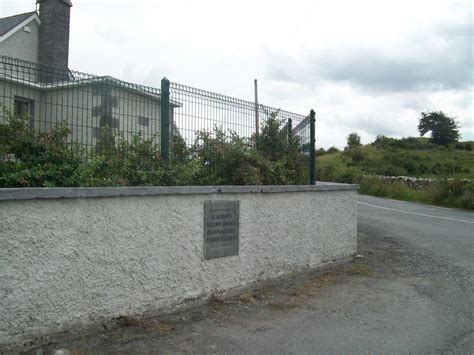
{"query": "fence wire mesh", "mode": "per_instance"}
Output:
(107, 117)
(201, 110)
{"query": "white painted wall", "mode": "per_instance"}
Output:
(74, 105)
(22, 45)
(8, 91)
(70, 261)
(129, 107)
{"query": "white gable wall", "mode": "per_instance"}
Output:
(21, 44)
(79, 107)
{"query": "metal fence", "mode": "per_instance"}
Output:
(95, 108)
(200, 109)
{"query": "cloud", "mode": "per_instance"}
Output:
(439, 60)
(379, 84)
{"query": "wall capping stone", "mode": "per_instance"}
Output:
(13, 194)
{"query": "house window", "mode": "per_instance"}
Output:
(25, 108)
(143, 121)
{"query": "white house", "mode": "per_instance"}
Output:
(35, 82)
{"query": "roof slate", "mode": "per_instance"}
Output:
(8, 23)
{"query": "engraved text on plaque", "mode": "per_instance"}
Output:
(221, 229)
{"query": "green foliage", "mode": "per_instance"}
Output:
(332, 150)
(320, 151)
(272, 142)
(356, 154)
(464, 146)
(410, 143)
(446, 192)
(416, 157)
(353, 140)
(444, 129)
(125, 162)
(284, 163)
(400, 157)
(224, 158)
(32, 158)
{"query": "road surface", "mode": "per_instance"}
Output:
(411, 292)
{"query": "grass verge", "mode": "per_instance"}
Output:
(447, 192)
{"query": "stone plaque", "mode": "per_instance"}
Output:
(221, 229)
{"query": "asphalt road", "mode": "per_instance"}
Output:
(411, 292)
(445, 232)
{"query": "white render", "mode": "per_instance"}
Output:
(19, 43)
(75, 105)
(70, 261)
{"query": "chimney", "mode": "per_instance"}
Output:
(53, 46)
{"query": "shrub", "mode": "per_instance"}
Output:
(332, 150)
(444, 129)
(382, 141)
(391, 170)
(446, 192)
(353, 140)
(356, 154)
(320, 151)
(31, 158)
(325, 172)
(454, 192)
(348, 176)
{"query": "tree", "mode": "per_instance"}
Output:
(353, 140)
(444, 129)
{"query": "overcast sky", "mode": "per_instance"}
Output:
(369, 67)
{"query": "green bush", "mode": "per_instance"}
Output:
(320, 151)
(332, 150)
(355, 154)
(32, 158)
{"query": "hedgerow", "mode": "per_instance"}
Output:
(31, 158)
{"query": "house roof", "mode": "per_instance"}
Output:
(9, 23)
(25, 73)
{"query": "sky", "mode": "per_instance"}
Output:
(369, 67)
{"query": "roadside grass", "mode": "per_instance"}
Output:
(430, 161)
(145, 324)
(452, 169)
(449, 193)
(360, 269)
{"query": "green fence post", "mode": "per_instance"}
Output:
(312, 155)
(290, 131)
(165, 119)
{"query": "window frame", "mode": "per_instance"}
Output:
(31, 108)
(142, 119)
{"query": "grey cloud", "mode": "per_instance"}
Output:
(374, 126)
(374, 70)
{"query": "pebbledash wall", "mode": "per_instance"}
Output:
(71, 256)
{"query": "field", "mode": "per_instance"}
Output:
(444, 174)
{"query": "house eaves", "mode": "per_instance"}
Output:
(12, 24)
(103, 80)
